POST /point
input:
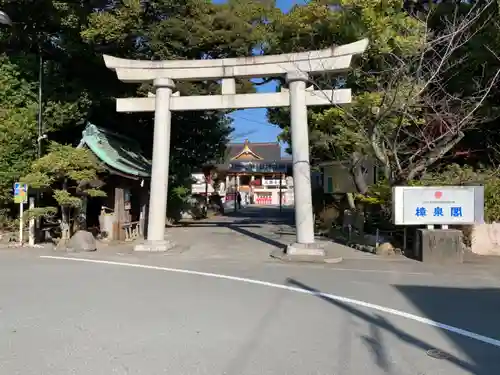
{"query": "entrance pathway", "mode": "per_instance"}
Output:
(247, 238)
(249, 234)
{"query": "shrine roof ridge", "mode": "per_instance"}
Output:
(274, 144)
(260, 161)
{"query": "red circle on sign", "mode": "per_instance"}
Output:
(438, 194)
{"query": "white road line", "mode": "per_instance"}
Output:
(416, 318)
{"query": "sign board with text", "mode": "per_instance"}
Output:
(437, 205)
(256, 166)
(20, 193)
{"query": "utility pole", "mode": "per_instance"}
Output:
(41, 136)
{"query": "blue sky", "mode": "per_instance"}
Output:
(252, 124)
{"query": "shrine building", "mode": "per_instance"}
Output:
(257, 171)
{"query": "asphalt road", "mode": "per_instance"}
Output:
(71, 317)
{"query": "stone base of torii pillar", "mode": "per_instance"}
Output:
(310, 253)
(301, 249)
(154, 246)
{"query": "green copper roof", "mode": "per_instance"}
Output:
(118, 152)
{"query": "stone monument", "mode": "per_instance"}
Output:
(438, 205)
(297, 68)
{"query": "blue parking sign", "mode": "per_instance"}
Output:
(20, 193)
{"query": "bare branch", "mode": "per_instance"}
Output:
(412, 113)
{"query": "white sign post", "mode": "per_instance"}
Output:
(437, 205)
(31, 238)
(20, 197)
(21, 222)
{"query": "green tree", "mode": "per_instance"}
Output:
(193, 29)
(407, 112)
(70, 174)
(17, 127)
(49, 29)
(72, 37)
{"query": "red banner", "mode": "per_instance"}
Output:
(264, 200)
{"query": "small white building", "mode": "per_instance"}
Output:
(204, 186)
(336, 177)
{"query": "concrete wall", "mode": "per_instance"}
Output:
(486, 239)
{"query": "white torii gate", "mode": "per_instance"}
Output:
(295, 67)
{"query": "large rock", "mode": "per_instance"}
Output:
(386, 249)
(82, 241)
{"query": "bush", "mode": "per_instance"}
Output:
(177, 202)
(492, 200)
(378, 200)
(465, 175)
(379, 196)
(7, 224)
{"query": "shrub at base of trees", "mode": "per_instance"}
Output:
(377, 203)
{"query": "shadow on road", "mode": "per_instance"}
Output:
(240, 227)
(473, 309)
(453, 306)
(257, 236)
(252, 217)
(264, 215)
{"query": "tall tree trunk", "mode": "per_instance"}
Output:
(65, 230)
(358, 175)
(351, 202)
(65, 221)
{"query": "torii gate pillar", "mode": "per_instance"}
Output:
(161, 157)
(304, 221)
